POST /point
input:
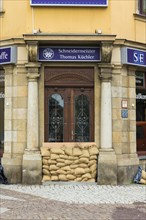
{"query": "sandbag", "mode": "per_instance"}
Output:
(140, 176)
(3, 179)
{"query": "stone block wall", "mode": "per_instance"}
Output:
(69, 162)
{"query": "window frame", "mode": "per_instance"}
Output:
(143, 78)
(1, 8)
(1, 5)
(141, 7)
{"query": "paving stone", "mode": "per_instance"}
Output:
(72, 202)
(88, 194)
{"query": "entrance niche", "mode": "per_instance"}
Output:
(69, 104)
(141, 112)
(2, 96)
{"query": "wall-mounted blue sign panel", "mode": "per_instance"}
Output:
(93, 3)
(133, 56)
(124, 113)
(8, 55)
(75, 54)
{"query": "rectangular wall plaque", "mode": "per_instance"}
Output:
(91, 3)
(124, 104)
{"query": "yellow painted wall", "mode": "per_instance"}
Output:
(71, 20)
(20, 18)
(14, 20)
(122, 19)
(140, 31)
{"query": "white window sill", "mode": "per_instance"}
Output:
(2, 12)
(140, 17)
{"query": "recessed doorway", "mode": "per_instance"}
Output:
(69, 105)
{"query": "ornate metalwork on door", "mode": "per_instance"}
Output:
(56, 108)
(82, 119)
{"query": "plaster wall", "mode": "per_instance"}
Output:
(118, 18)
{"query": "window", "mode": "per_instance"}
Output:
(139, 132)
(141, 138)
(140, 79)
(140, 96)
(1, 6)
(56, 116)
(82, 131)
(142, 7)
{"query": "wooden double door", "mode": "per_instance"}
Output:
(69, 111)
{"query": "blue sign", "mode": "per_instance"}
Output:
(94, 3)
(8, 55)
(82, 54)
(124, 113)
(133, 56)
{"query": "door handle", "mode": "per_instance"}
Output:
(72, 135)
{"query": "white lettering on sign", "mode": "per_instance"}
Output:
(138, 57)
(3, 55)
(138, 81)
(135, 57)
(141, 58)
(140, 96)
(76, 50)
(85, 57)
(67, 57)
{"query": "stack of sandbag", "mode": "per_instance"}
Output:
(69, 163)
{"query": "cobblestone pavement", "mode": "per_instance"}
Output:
(73, 201)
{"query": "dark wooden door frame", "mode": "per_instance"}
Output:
(69, 82)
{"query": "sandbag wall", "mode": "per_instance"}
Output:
(68, 162)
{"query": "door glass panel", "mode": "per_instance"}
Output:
(82, 119)
(56, 118)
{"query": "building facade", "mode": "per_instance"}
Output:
(72, 90)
